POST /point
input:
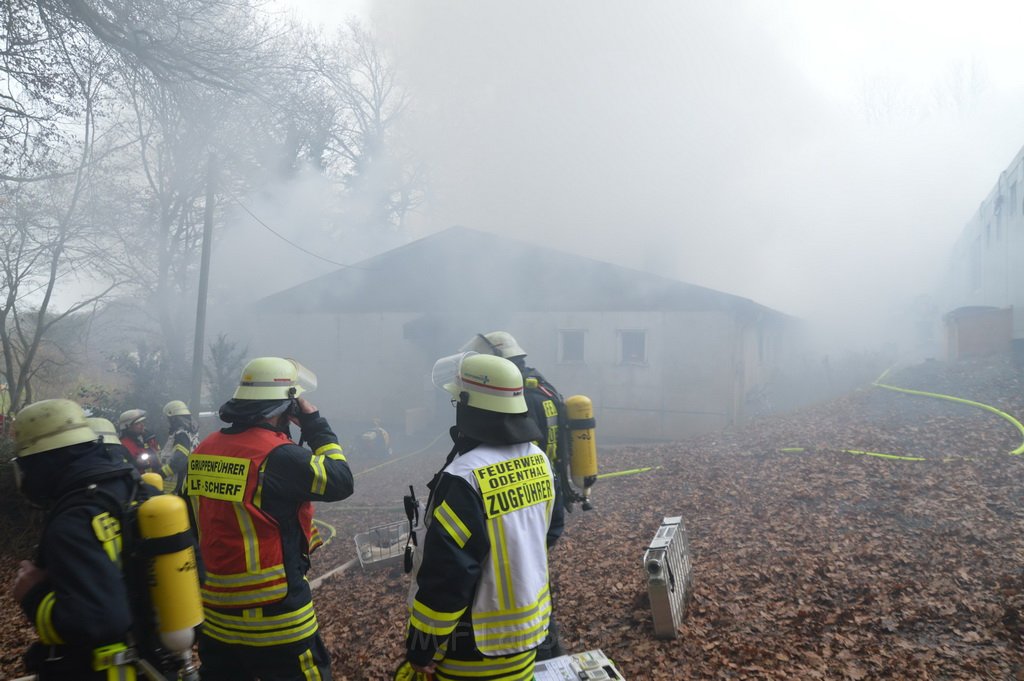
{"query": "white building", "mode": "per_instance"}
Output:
(987, 263)
(659, 358)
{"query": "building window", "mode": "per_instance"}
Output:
(570, 345)
(633, 347)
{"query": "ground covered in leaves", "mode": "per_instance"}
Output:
(880, 535)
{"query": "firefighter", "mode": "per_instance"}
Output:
(547, 408)
(487, 520)
(73, 591)
(376, 441)
(108, 434)
(183, 436)
(251, 489)
(142, 445)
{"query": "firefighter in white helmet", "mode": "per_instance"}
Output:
(547, 407)
(73, 591)
(251, 489)
(487, 519)
(182, 438)
(143, 448)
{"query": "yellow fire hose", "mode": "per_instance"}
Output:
(986, 407)
(632, 471)
(878, 384)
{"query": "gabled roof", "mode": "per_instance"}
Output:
(459, 267)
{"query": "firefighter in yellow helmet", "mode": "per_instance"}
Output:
(251, 488)
(547, 408)
(73, 590)
(484, 549)
(182, 438)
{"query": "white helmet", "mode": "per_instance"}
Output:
(483, 381)
(274, 378)
(105, 429)
(50, 424)
(176, 408)
(130, 418)
(500, 343)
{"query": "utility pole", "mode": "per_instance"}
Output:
(204, 283)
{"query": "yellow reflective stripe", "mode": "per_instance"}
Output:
(513, 639)
(315, 540)
(332, 450)
(250, 541)
(513, 615)
(431, 621)
(254, 619)
(240, 599)
(257, 497)
(252, 628)
(44, 621)
(240, 579)
(124, 672)
(496, 642)
(319, 485)
(451, 523)
(308, 666)
(515, 667)
(182, 448)
(500, 564)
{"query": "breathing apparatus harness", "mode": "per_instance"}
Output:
(142, 641)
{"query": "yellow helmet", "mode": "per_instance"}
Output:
(499, 343)
(489, 383)
(274, 378)
(130, 418)
(50, 424)
(176, 408)
(105, 429)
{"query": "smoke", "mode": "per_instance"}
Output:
(746, 147)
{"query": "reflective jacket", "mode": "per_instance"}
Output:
(251, 489)
(547, 408)
(137, 445)
(484, 563)
(82, 611)
(175, 459)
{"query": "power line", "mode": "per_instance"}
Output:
(288, 241)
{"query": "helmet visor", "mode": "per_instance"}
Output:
(305, 380)
(445, 374)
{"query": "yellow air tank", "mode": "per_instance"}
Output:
(583, 461)
(154, 480)
(173, 576)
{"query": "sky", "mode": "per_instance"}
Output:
(817, 157)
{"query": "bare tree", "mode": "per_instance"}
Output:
(364, 148)
(48, 243)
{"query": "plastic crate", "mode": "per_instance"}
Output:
(382, 545)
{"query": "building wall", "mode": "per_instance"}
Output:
(697, 368)
(987, 262)
(976, 332)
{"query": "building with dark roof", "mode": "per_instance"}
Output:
(659, 358)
